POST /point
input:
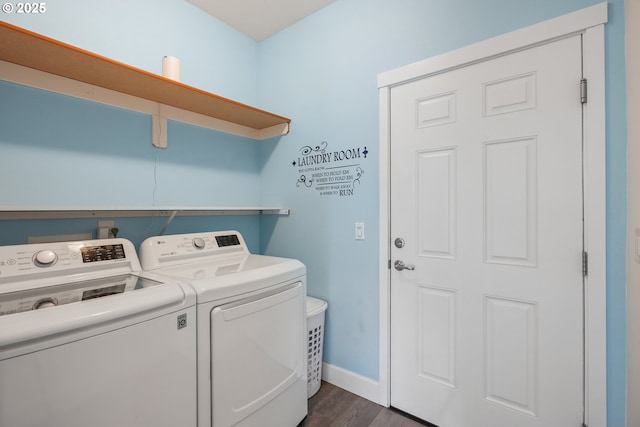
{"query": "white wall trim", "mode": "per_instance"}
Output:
(590, 22)
(594, 175)
(523, 38)
(384, 273)
(352, 382)
(632, 43)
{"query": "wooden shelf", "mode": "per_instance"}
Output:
(29, 49)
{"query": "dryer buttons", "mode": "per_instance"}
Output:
(198, 243)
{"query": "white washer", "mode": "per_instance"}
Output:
(251, 327)
(87, 339)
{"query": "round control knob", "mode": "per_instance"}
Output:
(45, 303)
(46, 258)
(198, 243)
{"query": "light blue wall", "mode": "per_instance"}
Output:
(213, 56)
(58, 151)
(15, 232)
(322, 72)
(71, 152)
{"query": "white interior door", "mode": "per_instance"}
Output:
(486, 195)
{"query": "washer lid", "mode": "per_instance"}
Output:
(160, 298)
(61, 294)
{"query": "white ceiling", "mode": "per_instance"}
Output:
(260, 19)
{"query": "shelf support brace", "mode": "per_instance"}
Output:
(166, 225)
(277, 130)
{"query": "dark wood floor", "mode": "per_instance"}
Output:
(335, 407)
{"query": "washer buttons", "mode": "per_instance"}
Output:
(45, 258)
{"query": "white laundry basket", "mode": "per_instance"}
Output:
(315, 324)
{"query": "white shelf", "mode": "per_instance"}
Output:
(23, 212)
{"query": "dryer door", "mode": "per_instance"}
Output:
(258, 357)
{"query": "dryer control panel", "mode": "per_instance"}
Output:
(166, 250)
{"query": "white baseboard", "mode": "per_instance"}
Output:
(352, 382)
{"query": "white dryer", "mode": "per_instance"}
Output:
(88, 339)
(251, 327)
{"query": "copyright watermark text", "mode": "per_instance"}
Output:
(24, 8)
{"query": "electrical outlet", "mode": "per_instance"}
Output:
(104, 229)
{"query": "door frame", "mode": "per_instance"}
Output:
(590, 23)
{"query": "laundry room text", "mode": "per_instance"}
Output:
(330, 173)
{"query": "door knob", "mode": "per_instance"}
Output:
(399, 265)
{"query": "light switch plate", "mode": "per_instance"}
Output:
(359, 230)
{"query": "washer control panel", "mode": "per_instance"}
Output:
(102, 253)
(43, 259)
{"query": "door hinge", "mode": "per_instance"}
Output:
(583, 91)
(585, 264)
